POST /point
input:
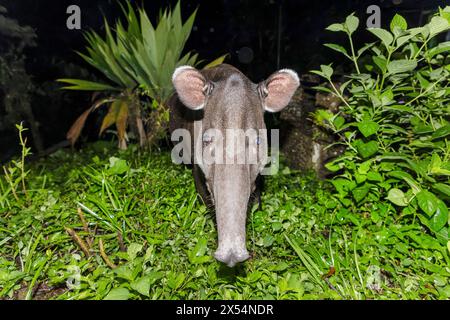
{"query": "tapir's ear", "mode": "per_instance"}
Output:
(190, 86)
(278, 89)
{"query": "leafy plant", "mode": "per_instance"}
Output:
(138, 60)
(15, 173)
(394, 121)
(141, 233)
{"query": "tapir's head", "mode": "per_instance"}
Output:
(233, 140)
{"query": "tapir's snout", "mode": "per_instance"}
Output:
(231, 256)
(231, 192)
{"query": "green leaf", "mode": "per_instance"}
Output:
(441, 172)
(423, 82)
(117, 166)
(400, 66)
(327, 71)
(374, 176)
(337, 48)
(425, 241)
(441, 47)
(351, 23)
(422, 128)
(397, 197)
(367, 149)
(441, 132)
(437, 25)
(335, 27)
(142, 285)
(78, 84)
(443, 188)
(435, 163)
(198, 254)
(175, 280)
(368, 127)
(364, 48)
(385, 36)
(134, 248)
(380, 61)
(360, 193)
(254, 276)
(440, 218)
(398, 21)
(334, 166)
(427, 202)
(407, 178)
(323, 115)
(118, 294)
(268, 240)
(309, 264)
(403, 39)
(216, 61)
(124, 271)
(339, 122)
(445, 13)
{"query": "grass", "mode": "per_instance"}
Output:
(108, 224)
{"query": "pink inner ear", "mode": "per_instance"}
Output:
(189, 84)
(280, 87)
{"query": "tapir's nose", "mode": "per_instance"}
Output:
(231, 192)
(231, 256)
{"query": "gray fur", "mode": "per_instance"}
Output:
(234, 103)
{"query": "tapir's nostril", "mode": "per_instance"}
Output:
(231, 257)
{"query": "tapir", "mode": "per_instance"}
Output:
(218, 100)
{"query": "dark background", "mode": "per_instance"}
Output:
(259, 35)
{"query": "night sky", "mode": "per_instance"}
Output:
(259, 35)
(246, 29)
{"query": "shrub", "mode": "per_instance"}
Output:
(394, 121)
(138, 59)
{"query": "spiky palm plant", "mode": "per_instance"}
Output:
(136, 59)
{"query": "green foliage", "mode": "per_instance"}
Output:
(160, 238)
(137, 59)
(138, 54)
(394, 122)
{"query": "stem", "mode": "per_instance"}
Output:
(424, 92)
(420, 49)
(339, 94)
(355, 61)
(11, 184)
(384, 71)
(104, 256)
(22, 165)
(75, 237)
